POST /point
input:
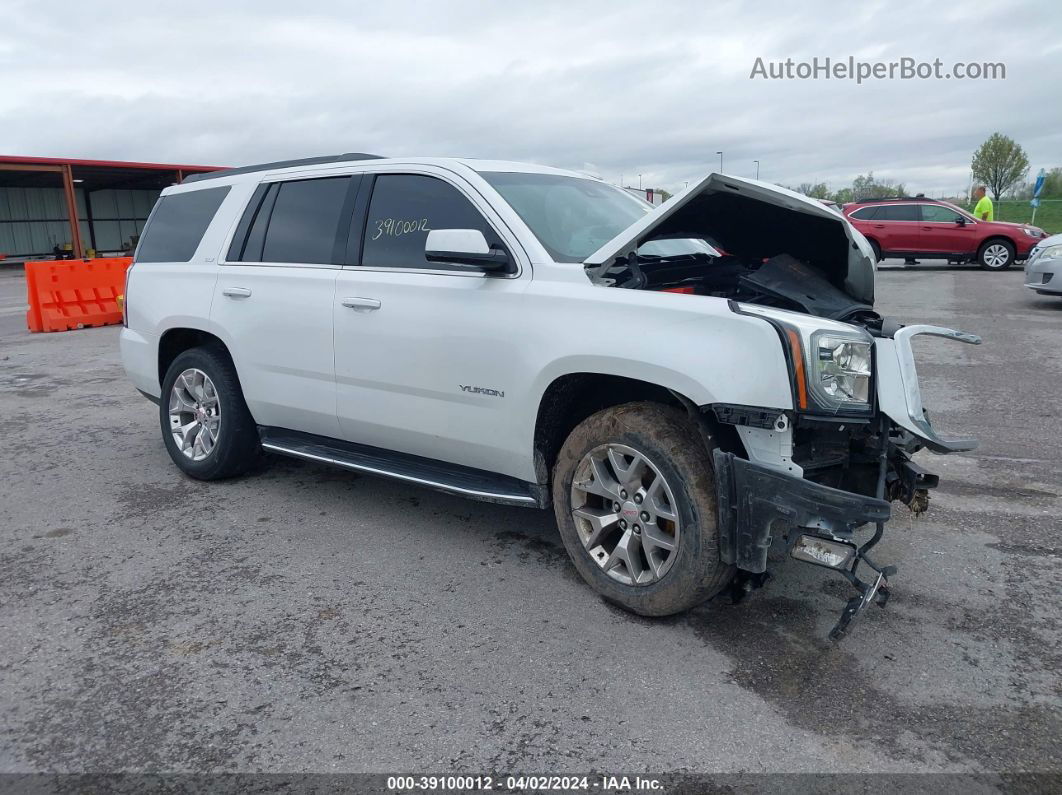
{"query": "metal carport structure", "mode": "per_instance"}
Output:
(78, 179)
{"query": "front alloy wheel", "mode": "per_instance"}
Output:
(624, 512)
(634, 496)
(195, 414)
(997, 256)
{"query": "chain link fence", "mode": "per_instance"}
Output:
(1048, 214)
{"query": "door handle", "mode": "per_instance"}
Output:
(236, 292)
(927, 228)
(879, 226)
(360, 303)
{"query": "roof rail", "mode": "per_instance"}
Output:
(889, 199)
(305, 161)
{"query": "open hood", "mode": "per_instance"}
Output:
(755, 221)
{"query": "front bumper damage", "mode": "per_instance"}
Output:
(753, 497)
(756, 500)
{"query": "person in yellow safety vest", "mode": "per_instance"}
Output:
(983, 210)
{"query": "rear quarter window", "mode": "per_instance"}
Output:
(177, 225)
(864, 213)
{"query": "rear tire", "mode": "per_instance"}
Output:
(644, 577)
(996, 254)
(206, 426)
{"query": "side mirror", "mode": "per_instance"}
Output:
(465, 247)
(960, 221)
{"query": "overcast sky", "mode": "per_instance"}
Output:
(614, 88)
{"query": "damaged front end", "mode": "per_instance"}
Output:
(817, 474)
(816, 471)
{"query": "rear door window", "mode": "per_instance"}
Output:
(403, 209)
(897, 212)
(305, 221)
(177, 225)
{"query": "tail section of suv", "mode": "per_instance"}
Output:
(683, 385)
(918, 227)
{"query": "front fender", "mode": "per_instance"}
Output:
(710, 359)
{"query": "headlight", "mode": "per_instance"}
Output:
(831, 369)
(830, 362)
(839, 374)
(1051, 252)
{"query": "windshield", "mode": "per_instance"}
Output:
(571, 217)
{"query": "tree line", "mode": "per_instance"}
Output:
(999, 163)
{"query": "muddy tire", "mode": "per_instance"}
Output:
(637, 478)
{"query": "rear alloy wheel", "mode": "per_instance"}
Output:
(195, 414)
(634, 497)
(996, 255)
(208, 431)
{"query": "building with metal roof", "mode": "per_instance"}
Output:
(73, 207)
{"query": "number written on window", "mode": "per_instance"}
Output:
(403, 209)
(396, 227)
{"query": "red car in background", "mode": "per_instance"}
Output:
(932, 229)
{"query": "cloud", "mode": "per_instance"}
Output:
(650, 89)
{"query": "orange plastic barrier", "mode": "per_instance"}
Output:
(68, 294)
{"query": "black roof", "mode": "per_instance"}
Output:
(306, 161)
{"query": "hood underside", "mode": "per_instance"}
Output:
(755, 223)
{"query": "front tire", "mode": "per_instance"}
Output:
(207, 428)
(996, 255)
(657, 553)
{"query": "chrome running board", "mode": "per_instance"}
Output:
(440, 475)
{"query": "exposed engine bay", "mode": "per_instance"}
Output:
(781, 281)
(739, 240)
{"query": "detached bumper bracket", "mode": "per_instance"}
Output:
(752, 497)
(899, 394)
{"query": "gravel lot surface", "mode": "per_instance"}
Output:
(308, 619)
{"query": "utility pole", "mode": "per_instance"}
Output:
(720, 162)
(757, 162)
(639, 182)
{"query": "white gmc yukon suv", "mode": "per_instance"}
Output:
(684, 385)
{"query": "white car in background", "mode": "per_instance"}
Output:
(1043, 268)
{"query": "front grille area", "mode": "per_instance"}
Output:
(1047, 278)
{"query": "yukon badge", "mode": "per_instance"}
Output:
(480, 390)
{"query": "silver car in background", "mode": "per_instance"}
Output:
(1043, 268)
